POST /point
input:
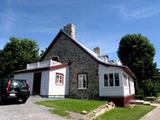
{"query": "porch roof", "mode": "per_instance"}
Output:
(59, 66)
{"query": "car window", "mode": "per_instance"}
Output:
(14, 84)
(22, 83)
(18, 83)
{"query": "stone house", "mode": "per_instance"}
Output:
(85, 73)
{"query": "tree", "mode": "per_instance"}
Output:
(16, 54)
(137, 53)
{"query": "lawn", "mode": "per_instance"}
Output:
(74, 105)
(126, 113)
(59, 112)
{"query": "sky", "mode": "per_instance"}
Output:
(98, 22)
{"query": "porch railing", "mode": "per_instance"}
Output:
(43, 64)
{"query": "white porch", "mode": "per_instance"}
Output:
(120, 85)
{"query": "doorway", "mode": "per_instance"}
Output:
(37, 83)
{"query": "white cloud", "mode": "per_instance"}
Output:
(137, 13)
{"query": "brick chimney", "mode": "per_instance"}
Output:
(97, 50)
(70, 30)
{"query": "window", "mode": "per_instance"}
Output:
(59, 79)
(105, 79)
(129, 84)
(82, 81)
(111, 79)
(125, 80)
(56, 58)
(116, 77)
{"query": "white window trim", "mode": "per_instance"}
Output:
(62, 81)
(113, 80)
(82, 88)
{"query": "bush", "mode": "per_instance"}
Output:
(157, 95)
(139, 97)
(148, 88)
(150, 98)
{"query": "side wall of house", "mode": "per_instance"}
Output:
(128, 84)
(58, 89)
(79, 62)
(125, 88)
(114, 90)
(26, 76)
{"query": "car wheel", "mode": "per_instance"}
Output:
(3, 100)
(24, 99)
(0, 100)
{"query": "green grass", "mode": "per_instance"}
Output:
(126, 113)
(74, 105)
(59, 112)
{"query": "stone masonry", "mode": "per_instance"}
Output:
(79, 62)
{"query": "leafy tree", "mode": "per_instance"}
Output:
(16, 54)
(137, 53)
(42, 52)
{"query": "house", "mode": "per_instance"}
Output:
(48, 78)
(70, 69)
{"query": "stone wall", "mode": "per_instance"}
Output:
(79, 62)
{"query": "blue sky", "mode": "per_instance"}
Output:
(98, 22)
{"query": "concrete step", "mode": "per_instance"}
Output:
(137, 101)
(140, 102)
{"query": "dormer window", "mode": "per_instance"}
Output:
(56, 58)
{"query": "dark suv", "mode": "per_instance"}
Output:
(14, 89)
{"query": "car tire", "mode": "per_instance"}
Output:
(24, 99)
(0, 100)
(3, 100)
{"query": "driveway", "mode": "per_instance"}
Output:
(27, 111)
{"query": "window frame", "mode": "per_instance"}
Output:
(58, 81)
(111, 81)
(114, 80)
(55, 58)
(104, 80)
(82, 83)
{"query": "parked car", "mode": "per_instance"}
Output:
(14, 89)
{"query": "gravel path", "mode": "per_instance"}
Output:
(27, 111)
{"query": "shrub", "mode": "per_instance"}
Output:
(150, 98)
(158, 95)
(140, 97)
(148, 88)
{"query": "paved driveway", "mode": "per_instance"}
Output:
(27, 111)
(153, 115)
